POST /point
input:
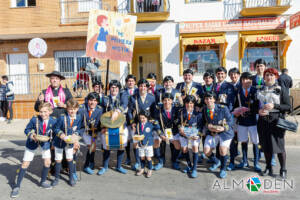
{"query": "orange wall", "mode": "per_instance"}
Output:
(46, 13)
(59, 44)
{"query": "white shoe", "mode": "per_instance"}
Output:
(2, 119)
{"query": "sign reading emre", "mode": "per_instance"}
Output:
(268, 23)
(110, 35)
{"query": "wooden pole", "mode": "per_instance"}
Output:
(107, 73)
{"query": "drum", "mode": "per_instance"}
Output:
(115, 138)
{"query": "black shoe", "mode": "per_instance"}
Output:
(55, 182)
(267, 172)
(15, 192)
(283, 174)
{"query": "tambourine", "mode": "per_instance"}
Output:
(107, 122)
(71, 139)
(42, 138)
(138, 137)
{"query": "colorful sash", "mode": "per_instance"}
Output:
(49, 95)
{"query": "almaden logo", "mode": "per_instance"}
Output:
(253, 184)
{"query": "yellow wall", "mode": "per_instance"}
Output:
(136, 51)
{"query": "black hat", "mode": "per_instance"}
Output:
(115, 83)
(151, 76)
(143, 81)
(221, 69)
(56, 73)
(188, 71)
(167, 96)
(210, 94)
(234, 70)
(246, 75)
(209, 74)
(93, 95)
(98, 83)
(168, 78)
(145, 113)
(189, 98)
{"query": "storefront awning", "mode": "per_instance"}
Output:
(208, 41)
(284, 40)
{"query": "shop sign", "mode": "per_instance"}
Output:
(268, 23)
(295, 20)
(205, 41)
(267, 38)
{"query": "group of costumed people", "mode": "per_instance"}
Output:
(146, 118)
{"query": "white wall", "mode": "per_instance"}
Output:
(293, 53)
(232, 51)
(180, 11)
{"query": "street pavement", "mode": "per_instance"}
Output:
(164, 184)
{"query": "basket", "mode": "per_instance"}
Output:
(138, 137)
(42, 138)
(72, 139)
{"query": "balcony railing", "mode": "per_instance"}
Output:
(77, 11)
(265, 3)
(29, 86)
(150, 10)
(255, 8)
(264, 7)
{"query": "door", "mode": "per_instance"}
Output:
(146, 63)
(18, 71)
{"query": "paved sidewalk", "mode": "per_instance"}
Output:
(16, 129)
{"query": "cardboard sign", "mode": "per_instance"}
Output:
(110, 35)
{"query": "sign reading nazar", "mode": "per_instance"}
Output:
(110, 35)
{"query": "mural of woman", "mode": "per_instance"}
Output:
(100, 45)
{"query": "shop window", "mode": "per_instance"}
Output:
(70, 62)
(268, 51)
(23, 3)
(201, 58)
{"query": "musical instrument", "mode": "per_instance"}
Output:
(116, 136)
(71, 139)
(138, 137)
(42, 138)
